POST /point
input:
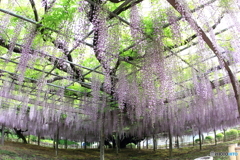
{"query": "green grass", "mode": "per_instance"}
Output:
(5, 152)
(20, 151)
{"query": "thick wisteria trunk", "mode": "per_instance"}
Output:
(215, 136)
(20, 135)
(2, 138)
(200, 140)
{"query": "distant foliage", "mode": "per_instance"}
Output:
(219, 136)
(60, 13)
(197, 140)
(33, 138)
(62, 142)
(131, 145)
(208, 139)
(231, 134)
(238, 132)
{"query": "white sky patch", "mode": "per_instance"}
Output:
(145, 8)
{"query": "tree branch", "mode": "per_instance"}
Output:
(124, 7)
(34, 10)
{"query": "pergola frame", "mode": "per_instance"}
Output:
(79, 95)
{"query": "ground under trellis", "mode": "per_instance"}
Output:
(18, 150)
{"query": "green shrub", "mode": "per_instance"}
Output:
(208, 139)
(33, 138)
(219, 136)
(131, 145)
(197, 140)
(231, 134)
(14, 136)
(47, 141)
(61, 141)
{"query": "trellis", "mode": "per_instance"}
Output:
(79, 118)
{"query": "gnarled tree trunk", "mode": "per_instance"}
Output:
(20, 135)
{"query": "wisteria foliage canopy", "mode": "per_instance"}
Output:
(135, 67)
